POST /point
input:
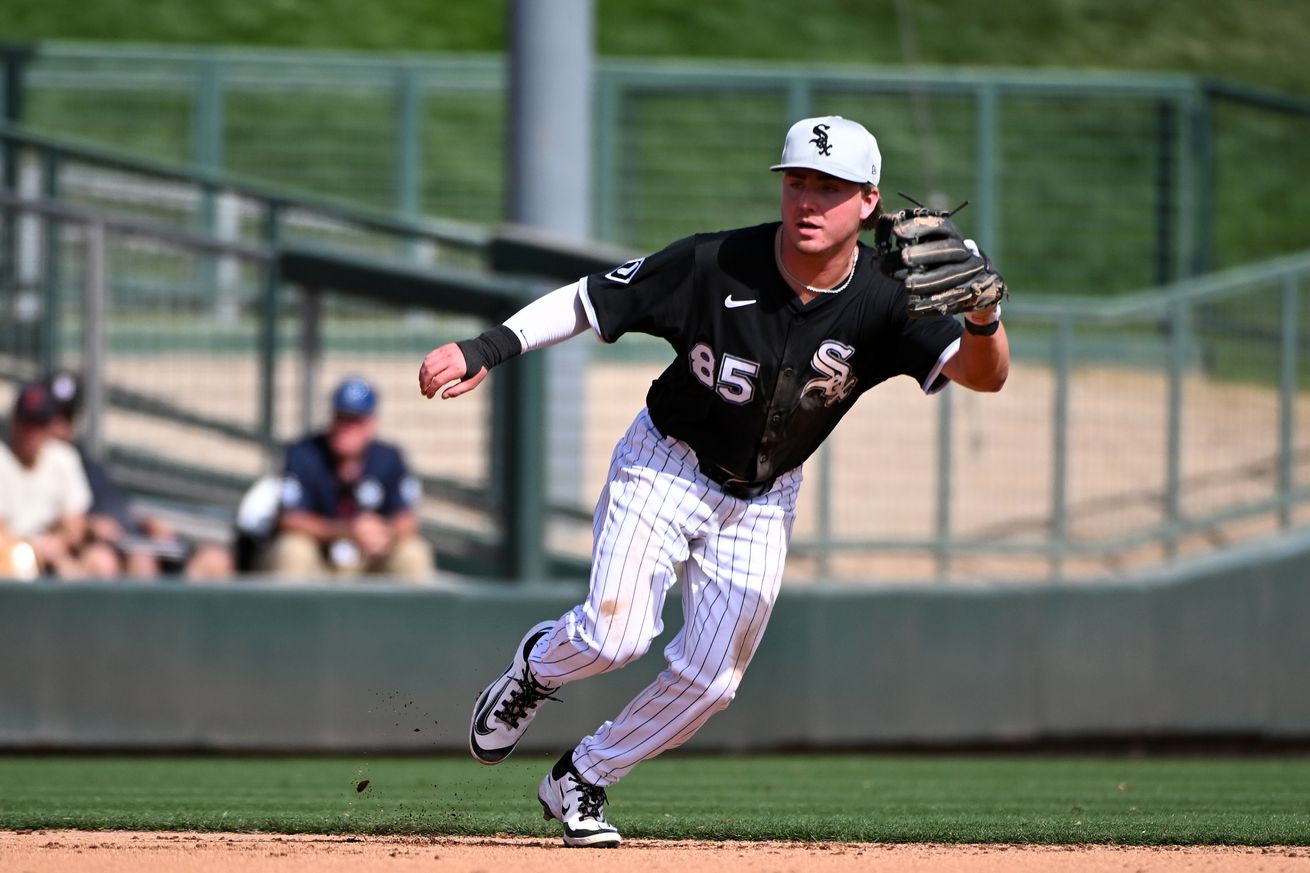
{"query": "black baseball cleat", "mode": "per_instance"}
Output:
(577, 805)
(508, 705)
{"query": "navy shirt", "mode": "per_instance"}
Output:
(310, 482)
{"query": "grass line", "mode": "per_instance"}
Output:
(824, 797)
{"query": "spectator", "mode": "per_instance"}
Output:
(122, 539)
(348, 500)
(47, 495)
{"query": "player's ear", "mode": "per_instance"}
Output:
(870, 197)
(870, 208)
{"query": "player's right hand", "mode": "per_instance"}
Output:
(443, 366)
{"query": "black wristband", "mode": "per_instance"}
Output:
(982, 329)
(492, 347)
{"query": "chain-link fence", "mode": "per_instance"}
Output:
(1128, 434)
(190, 396)
(1130, 431)
(1091, 183)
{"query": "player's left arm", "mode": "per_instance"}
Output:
(983, 361)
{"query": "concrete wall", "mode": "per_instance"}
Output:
(1214, 649)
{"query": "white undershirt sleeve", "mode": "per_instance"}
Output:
(550, 319)
(935, 381)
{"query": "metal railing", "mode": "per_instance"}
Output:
(75, 315)
(184, 407)
(1133, 431)
(1125, 164)
(259, 214)
(1173, 422)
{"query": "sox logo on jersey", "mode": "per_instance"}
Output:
(833, 361)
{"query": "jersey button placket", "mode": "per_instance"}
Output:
(774, 417)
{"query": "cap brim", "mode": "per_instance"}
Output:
(827, 170)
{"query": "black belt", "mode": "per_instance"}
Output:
(731, 485)
(734, 486)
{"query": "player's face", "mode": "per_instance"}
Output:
(821, 213)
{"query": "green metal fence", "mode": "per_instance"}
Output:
(184, 405)
(228, 208)
(406, 135)
(1131, 430)
(1080, 182)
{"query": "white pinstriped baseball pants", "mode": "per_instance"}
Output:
(658, 511)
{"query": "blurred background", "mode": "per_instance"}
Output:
(214, 214)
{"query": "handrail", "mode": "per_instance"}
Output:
(661, 72)
(1253, 96)
(1149, 302)
(352, 60)
(674, 71)
(398, 284)
(136, 227)
(1156, 302)
(438, 230)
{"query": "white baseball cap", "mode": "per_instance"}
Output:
(833, 145)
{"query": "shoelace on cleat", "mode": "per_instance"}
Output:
(591, 801)
(530, 693)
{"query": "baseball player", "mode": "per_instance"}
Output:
(777, 330)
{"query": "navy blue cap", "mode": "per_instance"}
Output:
(354, 397)
(35, 404)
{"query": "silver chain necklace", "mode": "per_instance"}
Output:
(836, 289)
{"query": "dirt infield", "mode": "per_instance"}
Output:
(123, 851)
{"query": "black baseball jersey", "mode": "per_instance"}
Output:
(760, 378)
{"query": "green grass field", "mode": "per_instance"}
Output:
(992, 799)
